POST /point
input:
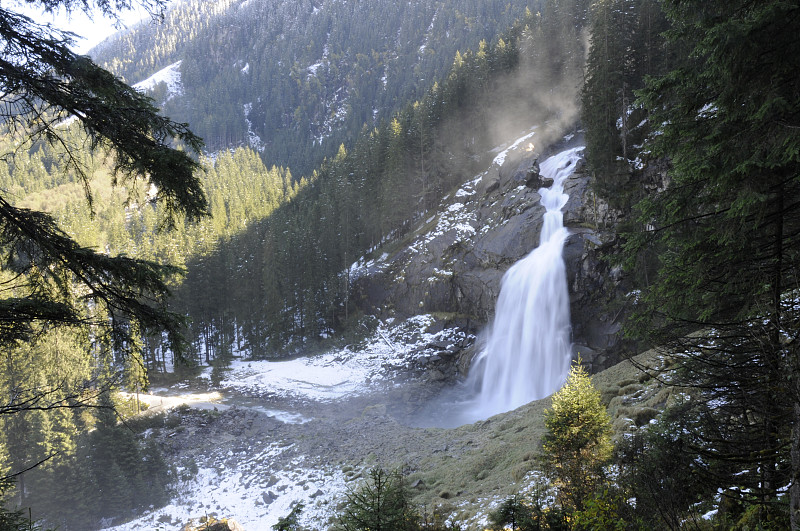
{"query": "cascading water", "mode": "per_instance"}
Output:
(528, 351)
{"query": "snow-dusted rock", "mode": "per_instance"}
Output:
(480, 231)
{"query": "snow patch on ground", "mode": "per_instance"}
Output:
(337, 374)
(158, 403)
(326, 377)
(253, 493)
(286, 417)
(170, 75)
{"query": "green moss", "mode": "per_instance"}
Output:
(607, 394)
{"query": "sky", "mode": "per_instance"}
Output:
(91, 31)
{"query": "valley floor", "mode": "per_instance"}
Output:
(309, 429)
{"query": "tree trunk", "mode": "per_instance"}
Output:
(774, 355)
(794, 490)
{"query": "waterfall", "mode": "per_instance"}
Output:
(528, 350)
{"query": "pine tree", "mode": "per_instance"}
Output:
(47, 378)
(655, 466)
(626, 47)
(728, 230)
(381, 504)
(43, 83)
(601, 102)
(290, 521)
(72, 492)
(577, 443)
(518, 514)
(156, 476)
(115, 460)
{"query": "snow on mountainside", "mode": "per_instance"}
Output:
(170, 75)
(455, 221)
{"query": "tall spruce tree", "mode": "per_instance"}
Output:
(728, 232)
(626, 47)
(380, 504)
(577, 443)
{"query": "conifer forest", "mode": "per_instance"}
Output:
(230, 198)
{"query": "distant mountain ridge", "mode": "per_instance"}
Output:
(295, 79)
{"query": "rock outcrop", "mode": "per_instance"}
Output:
(455, 260)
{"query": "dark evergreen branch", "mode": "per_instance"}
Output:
(38, 398)
(50, 83)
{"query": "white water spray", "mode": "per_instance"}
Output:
(528, 351)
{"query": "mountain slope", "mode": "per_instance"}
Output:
(295, 79)
(373, 194)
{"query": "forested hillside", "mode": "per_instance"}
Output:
(267, 273)
(293, 80)
(333, 130)
(705, 94)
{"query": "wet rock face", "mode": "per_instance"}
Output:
(457, 259)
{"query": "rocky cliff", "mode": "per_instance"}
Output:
(451, 266)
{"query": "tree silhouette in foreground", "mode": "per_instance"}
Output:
(727, 234)
(47, 280)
